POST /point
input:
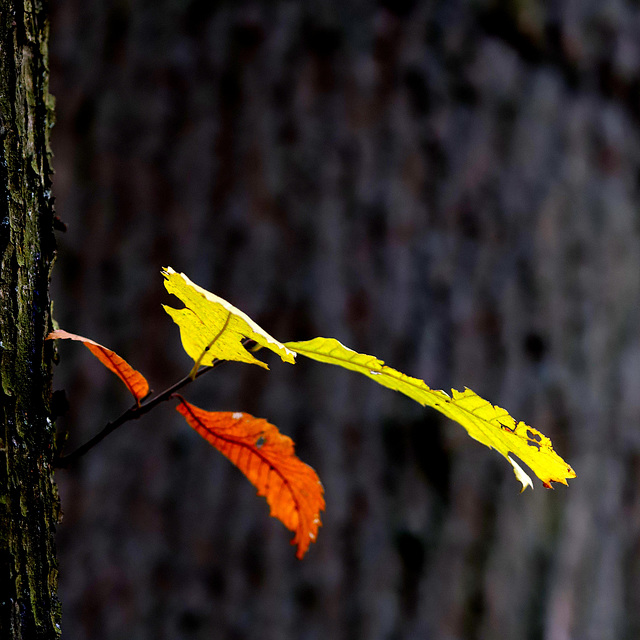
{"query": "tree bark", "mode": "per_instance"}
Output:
(28, 501)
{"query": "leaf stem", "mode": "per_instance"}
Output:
(135, 412)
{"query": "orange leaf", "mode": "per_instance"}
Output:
(267, 458)
(134, 380)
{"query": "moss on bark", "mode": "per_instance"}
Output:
(28, 498)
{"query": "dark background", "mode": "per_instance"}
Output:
(452, 186)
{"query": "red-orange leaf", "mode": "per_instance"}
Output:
(134, 380)
(267, 458)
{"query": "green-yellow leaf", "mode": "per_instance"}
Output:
(489, 424)
(211, 328)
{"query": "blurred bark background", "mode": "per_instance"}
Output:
(452, 186)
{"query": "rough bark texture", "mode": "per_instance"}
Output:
(29, 500)
(450, 185)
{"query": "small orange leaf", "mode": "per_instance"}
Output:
(267, 458)
(134, 380)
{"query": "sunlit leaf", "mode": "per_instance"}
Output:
(134, 380)
(489, 424)
(292, 488)
(211, 328)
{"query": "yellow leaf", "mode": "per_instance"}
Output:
(211, 328)
(489, 424)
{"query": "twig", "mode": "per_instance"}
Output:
(135, 412)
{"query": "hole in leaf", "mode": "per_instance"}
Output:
(508, 427)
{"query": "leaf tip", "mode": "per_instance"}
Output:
(55, 334)
(520, 474)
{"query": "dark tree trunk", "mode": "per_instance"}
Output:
(28, 500)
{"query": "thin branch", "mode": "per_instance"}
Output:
(135, 412)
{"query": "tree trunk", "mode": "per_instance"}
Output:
(29, 501)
